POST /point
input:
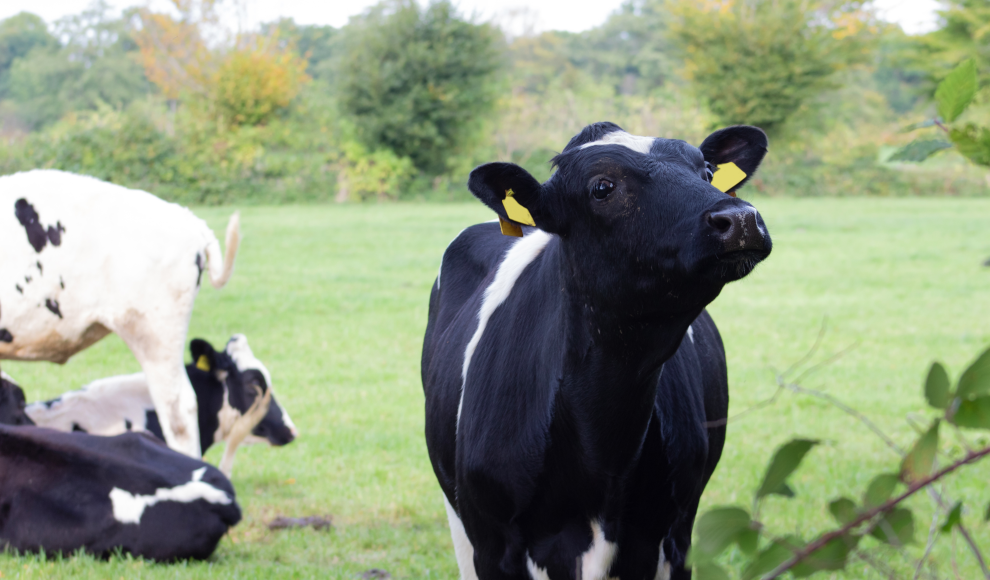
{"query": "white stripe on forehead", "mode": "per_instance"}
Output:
(635, 142)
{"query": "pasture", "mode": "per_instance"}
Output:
(334, 300)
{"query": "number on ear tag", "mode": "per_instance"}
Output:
(515, 210)
(203, 363)
(727, 176)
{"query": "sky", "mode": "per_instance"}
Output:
(914, 16)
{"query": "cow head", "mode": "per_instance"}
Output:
(639, 221)
(277, 427)
(12, 403)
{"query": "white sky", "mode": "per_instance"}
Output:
(574, 15)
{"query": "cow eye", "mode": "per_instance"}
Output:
(709, 174)
(602, 188)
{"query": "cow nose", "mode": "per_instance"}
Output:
(738, 228)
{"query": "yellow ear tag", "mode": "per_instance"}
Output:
(515, 211)
(203, 363)
(727, 176)
(508, 228)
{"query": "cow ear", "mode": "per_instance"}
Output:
(515, 195)
(203, 355)
(742, 146)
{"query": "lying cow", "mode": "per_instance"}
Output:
(83, 258)
(573, 380)
(62, 492)
(227, 386)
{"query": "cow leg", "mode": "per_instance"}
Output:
(158, 346)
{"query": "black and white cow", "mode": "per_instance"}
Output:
(230, 388)
(83, 258)
(62, 492)
(572, 374)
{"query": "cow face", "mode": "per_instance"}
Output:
(639, 222)
(276, 428)
(12, 403)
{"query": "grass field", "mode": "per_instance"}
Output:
(334, 300)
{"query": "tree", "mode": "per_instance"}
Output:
(19, 35)
(418, 81)
(963, 35)
(758, 62)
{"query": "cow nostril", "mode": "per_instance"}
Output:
(721, 222)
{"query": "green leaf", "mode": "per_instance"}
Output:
(973, 142)
(831, 556)
(708, 571)
(986, 514)
(748, 541)
(954, 518)
(919, 125)
(880, 489)
(975, 380)
(937, 387)
(973, 414)
(774, 555)
(783, 464)
(920, 149)
(956, 91)
(843, 510)
(895, 527)
(919, 461)
(715, 530)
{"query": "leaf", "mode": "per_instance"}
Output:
(783, 464)
(919, 461)
(986, 514)
(973, 414)
(748, 541)
(956, 91)
(895, 527)
(831, 556)
(954, 518)
(880, 489)
(937, 387)
(919, 125)
(708, 571)
(973, 142)
(715, 530)
(775, 555)
(920, 149)
(975, 380)
(843, 510)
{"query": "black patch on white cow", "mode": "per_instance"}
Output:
(6, 336)
(128, 424)
(53, 306)
(38, 236)
(200, 266)
(19, 289)
(40, 269)
(152, 425)
(76, 427)
(61, 283)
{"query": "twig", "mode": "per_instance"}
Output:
(876, 565)
(940, 125)
(955, 565)
(850, 411)
(931, 540)
(824, 539)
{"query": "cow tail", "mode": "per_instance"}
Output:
(222, 266)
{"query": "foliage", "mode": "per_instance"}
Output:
(253, 83)
(378, 174)
(174, 51)
(93, 67)
(19, 35)
(417, 80)
(962, 36)
(759, 62)
(882, 514)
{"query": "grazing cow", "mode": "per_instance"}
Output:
(573, 380)
(12, 402)
(227, 384)
(62, 492)
(84, 258)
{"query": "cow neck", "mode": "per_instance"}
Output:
(613, 361)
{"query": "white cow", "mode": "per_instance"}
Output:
(83, 258)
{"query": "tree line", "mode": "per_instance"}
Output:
(405, 99)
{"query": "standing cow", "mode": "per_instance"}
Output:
(83, 258)
(572, 374)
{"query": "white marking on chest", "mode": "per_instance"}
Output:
(596, 562)
(663, 566)
(635, 142)
(463, 549)
(520, 255)
(690, 334)
(128, 508)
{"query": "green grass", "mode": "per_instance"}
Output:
(334, 300)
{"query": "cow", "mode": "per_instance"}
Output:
(64, 492)
(84, 258)
(575, 387)
(227, 386)
(12, 402)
